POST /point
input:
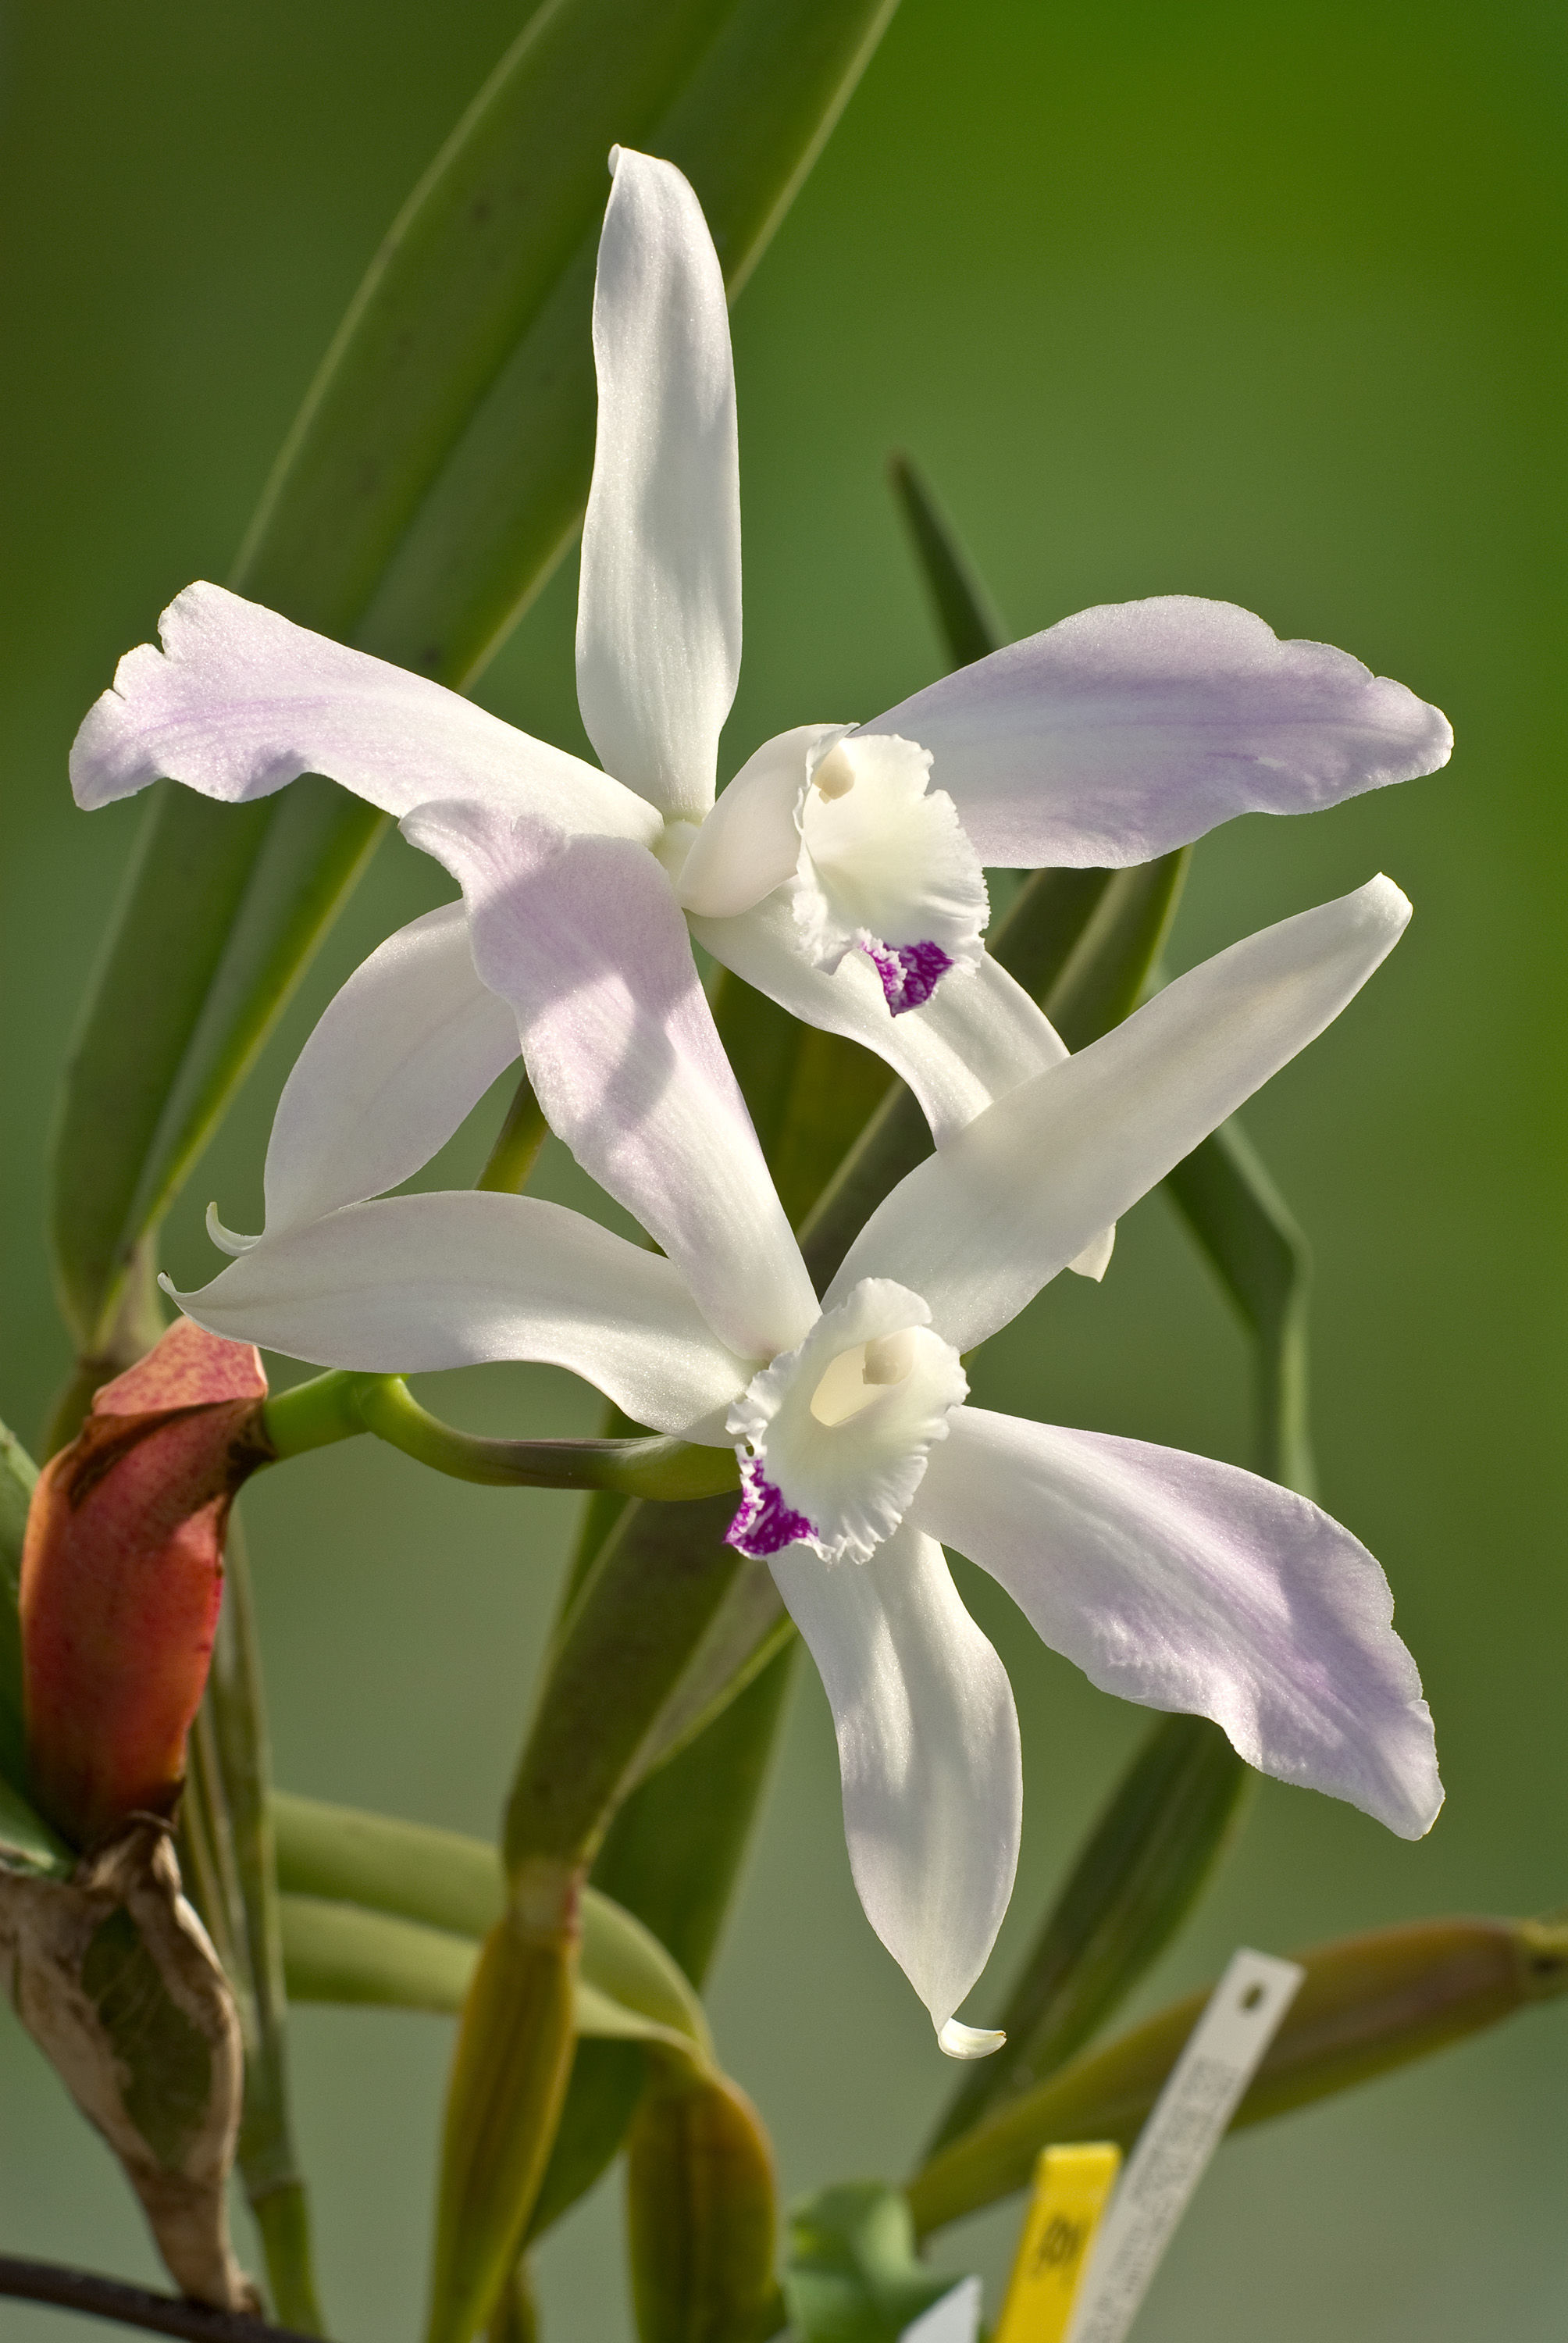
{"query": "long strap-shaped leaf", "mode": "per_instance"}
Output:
(1368, 2004)
(438, 471)
(227, 1826)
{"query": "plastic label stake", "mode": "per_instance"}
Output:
(1184, 2128)
(1070, 2186)
(955, 2318)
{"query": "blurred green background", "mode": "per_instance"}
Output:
(1257, 303)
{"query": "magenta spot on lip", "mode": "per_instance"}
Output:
(764, 1523)
(910, 973)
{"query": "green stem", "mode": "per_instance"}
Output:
(651, 1467)
(313, 1414)
(338, 1405)
(517, 1147)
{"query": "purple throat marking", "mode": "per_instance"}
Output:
(764, 1523)
(910, 973)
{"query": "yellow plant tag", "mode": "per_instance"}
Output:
(1070, 2186)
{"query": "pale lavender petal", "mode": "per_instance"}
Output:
(240, 702)
(1183, 1584)
(1134, 726)
(658, 606)
(977, 1037)
(585, 939)
(396, 1061)
(1023, 1189)
(927, 1751)
(457, 1279)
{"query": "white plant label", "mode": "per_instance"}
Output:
(953, 2319)
(1184, 2128)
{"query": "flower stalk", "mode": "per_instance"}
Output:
(340, 1406)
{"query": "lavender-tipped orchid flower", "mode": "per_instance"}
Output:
(839, 871)
(1168, 1578)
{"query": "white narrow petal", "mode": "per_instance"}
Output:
(927, 1751)
(1132, 728)
(240, 701)
(412, 1284)
(1183, 1584)
(586, 941)
(658, 607)
(977, 1037)
(401, 1055)
(751, 841)
(983, 1225)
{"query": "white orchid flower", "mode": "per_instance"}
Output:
(841, 872)
(1169, 1579)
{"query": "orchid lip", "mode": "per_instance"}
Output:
(911, 974)
(765, 1522)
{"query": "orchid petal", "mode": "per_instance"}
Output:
(240, 701)
(585, 939)
(1183, 1584)
(977, 1037)
(412, 1284)
(1135, 726)
(659, 605)
(398, 1057)
(980, 1227)
(927, 1751)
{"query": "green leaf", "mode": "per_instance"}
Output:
(26, 1842)
(17, 1475)
(967, 619)
(228, 1826)
(672, 1857)
(1139, 1872)
(852, 2274)
(701, 2214)
(436, 473)
(1368, 2004)
(1231, 1206)
(618, 1660)
(673, 1853)
(452, 1889)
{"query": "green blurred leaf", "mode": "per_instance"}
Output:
(26, 1842)
(617, 1662)
(673, 1857)
(342, 1953)
(1368, 2004)
(852, 2274)
(504, 2098)
(17, 1474)
(453, 1888)
(967, 619)
(701, 2214)
(674, 1851)
(436, 473)
(1234, 1209)
(227, 1825)
(1143, 1868)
